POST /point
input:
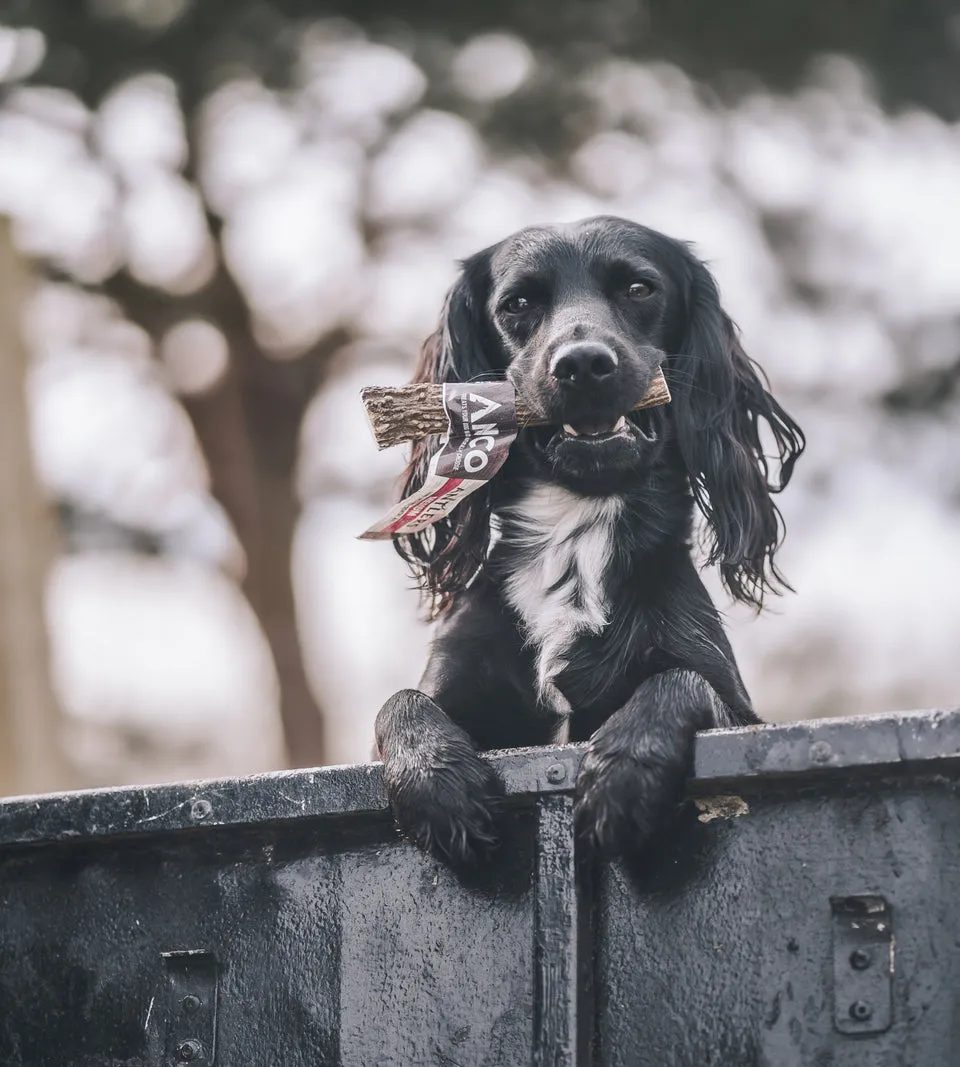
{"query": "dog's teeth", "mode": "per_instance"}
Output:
(567, 428)
(620, 424)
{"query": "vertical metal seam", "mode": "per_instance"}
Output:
(556, 932)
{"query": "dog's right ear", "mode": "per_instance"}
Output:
(461, 347)
(446, 555)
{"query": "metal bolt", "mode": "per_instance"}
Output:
(190, 1003)
(556, 773)
(188, 1051)
(820, 752)
(860, 959)
(861, 1011)
(200, 810)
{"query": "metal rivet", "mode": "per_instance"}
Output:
(820, 752)
(190, 1003)
(556, 773)
(861, 1011)
(188, 1051)
(860, 959)
(200, 810)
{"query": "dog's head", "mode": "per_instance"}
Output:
(578, 318)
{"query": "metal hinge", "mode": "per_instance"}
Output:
(191, 1008)
(862, 964)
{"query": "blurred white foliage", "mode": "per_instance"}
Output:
(647, 95)
(772, 156)
(358, 617)
(491, 66)
(351, 85)
(140, 126)
(336, 439)
(247, 136)
(295, 248)
(168, 245)
(874, 624)
(845, 350)
(425, 168)
(563, 201)
(502, 200)
(21, 52)
(404, 289)
(104, 428)
(162, 670)
(195, 356)
(613, 163)
(63, 203)
(889, 208)
(109, 438)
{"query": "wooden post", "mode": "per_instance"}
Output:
(31, 744)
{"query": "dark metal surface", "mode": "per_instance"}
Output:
(826, 745)
(282, 797)
(309, 935)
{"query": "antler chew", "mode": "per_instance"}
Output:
(400, 413)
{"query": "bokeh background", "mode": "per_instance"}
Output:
(225, 216)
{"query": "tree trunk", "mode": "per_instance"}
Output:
(32, 757)
(248, 427)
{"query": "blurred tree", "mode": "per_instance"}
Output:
(248, 424)
(248, 428)
(31, 738)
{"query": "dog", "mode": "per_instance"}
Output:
(569, 605)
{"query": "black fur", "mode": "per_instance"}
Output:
(578, 318)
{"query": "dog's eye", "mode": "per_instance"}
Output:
(516, 305)
(640, 290)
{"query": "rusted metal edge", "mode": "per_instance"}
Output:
(929, 740)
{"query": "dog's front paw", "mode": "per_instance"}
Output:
(442, 794)
(628, 789)
(444, 801)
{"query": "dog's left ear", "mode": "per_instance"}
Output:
(719, 402)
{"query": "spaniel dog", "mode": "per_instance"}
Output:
(569, 605)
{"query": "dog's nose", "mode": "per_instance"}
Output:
(583, 363)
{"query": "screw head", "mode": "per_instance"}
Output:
(190, 1003)
(200, 810)
(860, 1011)
(860, 959)
(189, 1050)
(556, 773)
(820, 752)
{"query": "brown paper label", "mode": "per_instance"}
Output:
(481, 427)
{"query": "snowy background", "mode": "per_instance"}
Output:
(337, 202)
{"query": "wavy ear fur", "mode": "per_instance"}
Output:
(719, 401)
(448, 554)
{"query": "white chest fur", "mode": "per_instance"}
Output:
(563, 544)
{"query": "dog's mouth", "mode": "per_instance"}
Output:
(638, 425)
(595, 430)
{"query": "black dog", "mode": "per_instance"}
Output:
(570, 606)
